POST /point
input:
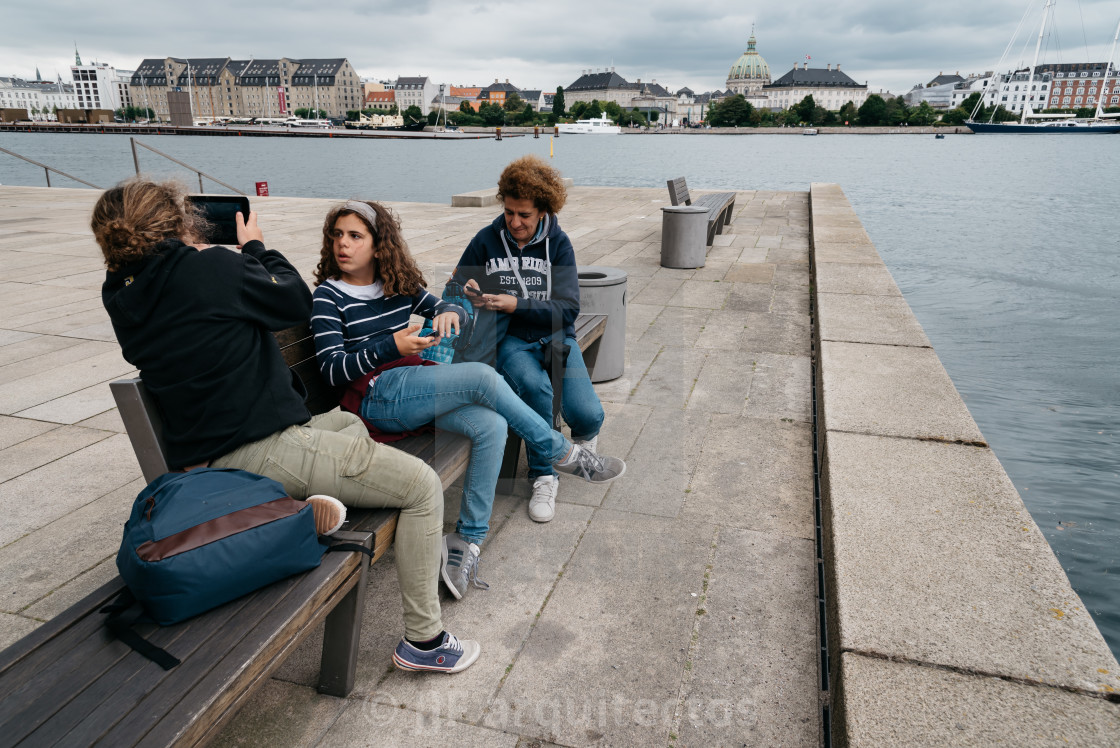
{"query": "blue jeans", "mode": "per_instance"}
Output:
(522, 364)
(469, 399)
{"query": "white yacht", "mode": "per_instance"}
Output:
(601, 126)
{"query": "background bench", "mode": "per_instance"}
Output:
(720, 205)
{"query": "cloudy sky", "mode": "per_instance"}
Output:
(888, 44)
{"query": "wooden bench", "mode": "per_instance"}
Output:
(71, 683)
(720, 205)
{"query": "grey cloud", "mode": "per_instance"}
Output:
(679, 43)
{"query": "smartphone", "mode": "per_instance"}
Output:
(220, 211)
(472, 291)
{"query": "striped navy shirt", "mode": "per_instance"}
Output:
(354, 335)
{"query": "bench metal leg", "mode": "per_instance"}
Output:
(339, 662)
(508, 473)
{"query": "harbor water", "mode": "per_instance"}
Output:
(1006, 247)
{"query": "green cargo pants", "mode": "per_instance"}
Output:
(332, 454)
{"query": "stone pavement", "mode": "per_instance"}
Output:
(676, 606)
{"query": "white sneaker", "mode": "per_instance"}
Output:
(542, 504)
(591, 445)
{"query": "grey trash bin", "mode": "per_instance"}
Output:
(684, 236)
(602, 290)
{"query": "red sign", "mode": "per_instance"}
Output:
(283, 101)
(262, 189)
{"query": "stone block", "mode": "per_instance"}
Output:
(754, 475)
(857, 254)
(477, 199)
(754, 670)
(660, 465)
(892, 391)
(936, 560)
(901, 704)
(779, 387)
(743, 272)
(586, 675)
(284, 714)
(850, 318)
(839, 277)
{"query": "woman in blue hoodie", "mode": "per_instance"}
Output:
(524, 266)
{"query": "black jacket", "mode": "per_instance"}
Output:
(197, 325)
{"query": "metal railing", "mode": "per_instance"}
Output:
(201, 174)
(48, 169)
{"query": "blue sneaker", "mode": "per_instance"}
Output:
(451, 656)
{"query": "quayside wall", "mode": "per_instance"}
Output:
(949, 618)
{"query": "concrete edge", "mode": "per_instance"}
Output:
(829, 209)
(486, 198)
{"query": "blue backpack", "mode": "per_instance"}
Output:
(199, 539)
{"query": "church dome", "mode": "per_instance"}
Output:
(750, 66)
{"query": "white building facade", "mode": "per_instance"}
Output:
(829, 88)
(417, 91)
(40, 98)
(100, 86)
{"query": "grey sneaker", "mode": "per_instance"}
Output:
(591, 445)
(542, 504)
(460, 565)
(591, 467)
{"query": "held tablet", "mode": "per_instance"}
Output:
(219, 211)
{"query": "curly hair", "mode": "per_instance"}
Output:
(130, 219)
(393, 263)
(530, 178)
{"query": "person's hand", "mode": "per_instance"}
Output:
(472, 283)
(408, 343)
(499, 302)
(247, 231)
(446, 323)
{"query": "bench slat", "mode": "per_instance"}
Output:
(221, 690)
(278, 616)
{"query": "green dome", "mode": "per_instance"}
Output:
(750, 65)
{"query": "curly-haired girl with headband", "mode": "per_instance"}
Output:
(368, 287)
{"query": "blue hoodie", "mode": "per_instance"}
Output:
(548, 286)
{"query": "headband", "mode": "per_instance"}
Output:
(363, 210)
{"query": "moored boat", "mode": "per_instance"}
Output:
(1029, 122)
(599, 126)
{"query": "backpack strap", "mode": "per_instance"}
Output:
(123, 630)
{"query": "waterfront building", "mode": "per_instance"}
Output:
(497, 93)
(382, 100)
(608, 86)
(100, 86)
(1079, 85)
(41, 99)
(974, 83)
(829, 88)
(601, 86)
(417, 91)
(220, 88)
(1010, 91)
(749, 73)
(938, 93)
(532, 97)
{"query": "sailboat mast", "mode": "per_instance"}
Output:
(1107, 70)
(1037, 48)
